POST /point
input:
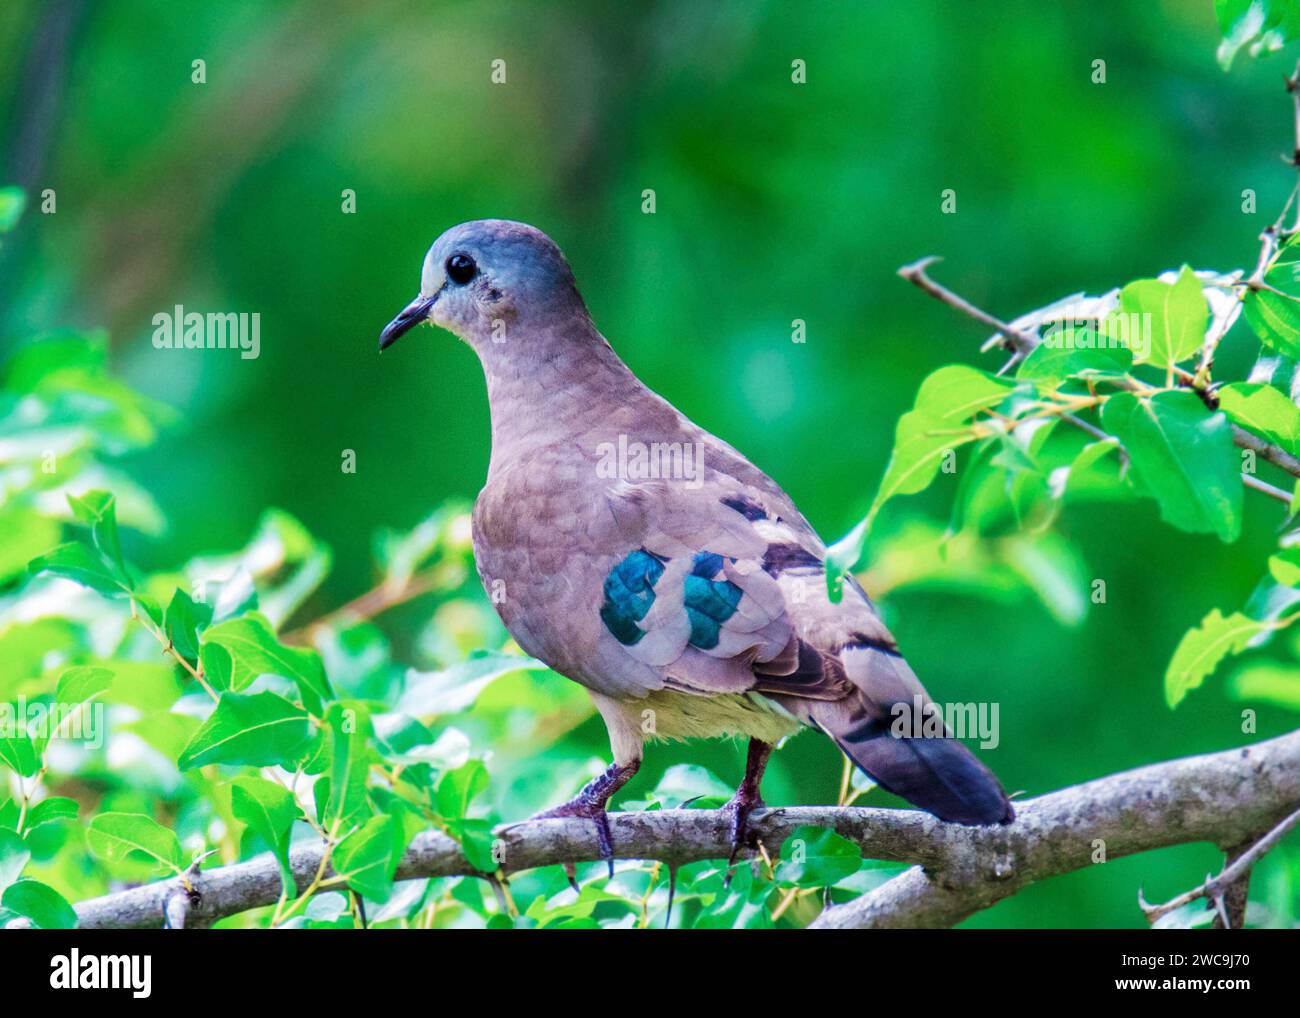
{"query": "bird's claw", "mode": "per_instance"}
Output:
(739, 808)
(590, 805)
(587, 810)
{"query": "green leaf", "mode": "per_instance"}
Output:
(218, 666)
(146, 604)
(42, 904)
(365, 858)
(1275, 316)
(816, 857)
(148, 686)
(1202, 649)
(1052, 569)
(1262, 26)
(76, 686)
(349, 730)
(402, 738)
(921, 442)
(1276, 370)
(51, 810)
(399, 555)
(1266, 411)
(266, 807)
(116, 836)
(254, 650)
(314, 756)
(79, 562)
(312, 566)
(1184, 456)
(26, 534)
(18, 753)
(1269, 681)
(235, 595)
(183, 621)
(12, 202)
(477, 841)
(1063, 355)
(947, 401)
(98, 510)
(14, 855)
(681, 782)
(1285, 566)
(1275, 319)
(1092, 472)
(456, 688)
(26, 646)
(326, 909)
(740, 906)
(1178, 314)
(54, 354)
(458, 788)
(261, 730)
(82, 684)
(165, 731)
(269, 809)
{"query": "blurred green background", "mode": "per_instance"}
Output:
(775, 201)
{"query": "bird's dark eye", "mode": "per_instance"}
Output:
(461, 269)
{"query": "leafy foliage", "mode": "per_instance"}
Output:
(248, 736)
(365, 751)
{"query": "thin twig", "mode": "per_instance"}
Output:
(1087, 426)
(366, 606)
(169, 649)
(1293, 86)
(1251, 481)
(1214, 887)
(1017, 340)
(1271, 241)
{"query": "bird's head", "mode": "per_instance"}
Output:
(484, 278)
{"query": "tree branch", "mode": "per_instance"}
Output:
(1222, 798)
(1219, 797)
(1018, 341)
(1021, 342)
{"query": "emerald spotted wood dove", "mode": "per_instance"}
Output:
(651, 562)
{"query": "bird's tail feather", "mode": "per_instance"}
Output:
(940, 775)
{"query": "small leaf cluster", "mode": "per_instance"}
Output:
(1108, 398)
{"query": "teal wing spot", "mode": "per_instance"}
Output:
(709, 602)
(629, 593)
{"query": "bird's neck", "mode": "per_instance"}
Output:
(561, 388)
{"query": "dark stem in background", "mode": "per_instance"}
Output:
(30, 134)
(38, 96)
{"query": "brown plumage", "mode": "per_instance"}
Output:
(650, 561)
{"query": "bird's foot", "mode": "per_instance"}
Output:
(742, 804)
(590, 804)
(593, 811)
(745, 801)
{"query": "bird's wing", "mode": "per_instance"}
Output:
(703, 586)
(722, 589)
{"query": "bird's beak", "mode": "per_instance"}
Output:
(412, 315)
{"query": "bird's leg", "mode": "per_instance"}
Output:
(591, 802)
(747, 797)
